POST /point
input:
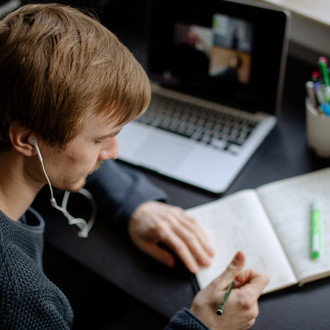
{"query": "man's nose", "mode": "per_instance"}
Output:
(109, 150)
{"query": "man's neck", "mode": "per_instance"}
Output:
(18, 188)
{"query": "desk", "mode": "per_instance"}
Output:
(283, 154)
(115, 259)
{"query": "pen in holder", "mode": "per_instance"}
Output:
(318, 130)
(318, 110)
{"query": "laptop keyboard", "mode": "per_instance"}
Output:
(219, 130)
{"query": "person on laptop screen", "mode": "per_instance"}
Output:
(67, 88)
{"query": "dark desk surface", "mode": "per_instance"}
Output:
(283, 154)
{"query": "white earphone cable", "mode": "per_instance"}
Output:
(81, 223)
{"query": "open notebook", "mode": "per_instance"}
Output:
(217, 70)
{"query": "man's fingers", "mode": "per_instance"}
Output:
(186, 240)
(194, 226)
(180, 248)
(191, 233)
(155, 222)
(158, 254)
(233, 269)
(252, 280)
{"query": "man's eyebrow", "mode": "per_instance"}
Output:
(112, 134)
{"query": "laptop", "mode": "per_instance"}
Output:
(216, 70)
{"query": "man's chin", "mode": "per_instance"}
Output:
(76, 187)
(96, 167)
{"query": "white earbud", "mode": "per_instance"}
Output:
(81, 223)
(33, 140)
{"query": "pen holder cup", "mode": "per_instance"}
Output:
(318, 131)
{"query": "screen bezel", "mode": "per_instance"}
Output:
(270, 28)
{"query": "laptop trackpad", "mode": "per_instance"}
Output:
(162, 152)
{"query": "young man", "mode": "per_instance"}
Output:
(67, 87)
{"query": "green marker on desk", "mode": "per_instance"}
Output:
(315, 230)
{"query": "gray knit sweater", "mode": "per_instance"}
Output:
(29, 300)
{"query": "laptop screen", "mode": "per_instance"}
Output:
(230, 53)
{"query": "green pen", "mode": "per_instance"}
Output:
(225, 298)
(315, 230)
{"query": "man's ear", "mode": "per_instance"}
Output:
(19, 137)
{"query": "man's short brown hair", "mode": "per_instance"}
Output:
(58, 67)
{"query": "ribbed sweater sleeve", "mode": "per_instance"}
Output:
(184, 320)
(119, 190)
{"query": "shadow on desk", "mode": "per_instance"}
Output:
(97, 304)
(303, 308)
(118, 279)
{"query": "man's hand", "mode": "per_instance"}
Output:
(154, 222)
(241, 309)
